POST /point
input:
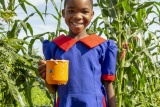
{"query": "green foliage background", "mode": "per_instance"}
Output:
(124, 21)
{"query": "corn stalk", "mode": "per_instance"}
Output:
(127, 23)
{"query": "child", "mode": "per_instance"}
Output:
(92, 60)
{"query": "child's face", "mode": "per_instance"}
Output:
(78, 14)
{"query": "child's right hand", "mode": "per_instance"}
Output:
(42, 73)
(42, 69)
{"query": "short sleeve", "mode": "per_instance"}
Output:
(108, 60)
(46, 50)
(49, 49)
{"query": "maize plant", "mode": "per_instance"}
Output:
(127, 22)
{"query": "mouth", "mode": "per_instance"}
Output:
(76, 24)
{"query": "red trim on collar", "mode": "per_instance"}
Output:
(92, 40)
(66, 43)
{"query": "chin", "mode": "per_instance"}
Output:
(77, 32)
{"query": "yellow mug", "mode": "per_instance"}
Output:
(57, 71)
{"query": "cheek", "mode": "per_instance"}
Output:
(88, 19)
(67, 21)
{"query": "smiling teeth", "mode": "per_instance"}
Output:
(77, 24)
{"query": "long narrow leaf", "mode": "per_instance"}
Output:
(30, 28)
(145, 5)
(55, 6)
(46, 7)
(23, 6)
(39, 13)
(28, 17)
(30, 47)
(24, 26)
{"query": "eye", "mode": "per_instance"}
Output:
(70, 11)
(85, 12)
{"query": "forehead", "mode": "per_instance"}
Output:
(87, 3)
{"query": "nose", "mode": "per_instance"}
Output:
(78, 16)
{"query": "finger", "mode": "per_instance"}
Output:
(41, 72)
(44, 75)
(43, 66)
(41, 62)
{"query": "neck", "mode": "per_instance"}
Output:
(78, 36)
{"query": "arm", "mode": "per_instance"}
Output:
(109, 57)
(42, 73)
(110, 93)
(51, 88)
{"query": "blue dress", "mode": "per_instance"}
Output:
(92, 59)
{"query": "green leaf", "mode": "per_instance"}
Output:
(134, 69)
(12, 33)
(149, 55)
(148, 40)
(39, 13)
(149, 10)
(30, 28)
(3, 4)
(28, 17)
(23, 60)
(30, 46)
(28, 92)
(40, 35)
(63, 30)
(13, 90)
(11, 4)
(139, 17)
(55, 17)
(155, 38)
(24, 26)
(46, 7)
(133, 58)
(55, 6)
(126, 6)
(35, 37)
(95, 5)
(145, 5)
(157, 8)
(22, 5)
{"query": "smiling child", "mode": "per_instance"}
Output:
(92, 60)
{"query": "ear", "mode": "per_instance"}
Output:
(63, 13)
(92, 14)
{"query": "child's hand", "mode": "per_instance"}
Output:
(42, 69)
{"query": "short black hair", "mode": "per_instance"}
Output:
(65, 2)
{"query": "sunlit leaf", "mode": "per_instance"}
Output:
(126, 5)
